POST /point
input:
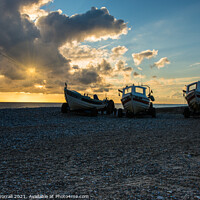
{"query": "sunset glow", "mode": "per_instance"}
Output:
(98, 47)
(39, 86)
(31, 97)
(31, 70)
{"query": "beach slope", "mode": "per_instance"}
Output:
(46, 152)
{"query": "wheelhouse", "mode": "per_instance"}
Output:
(193, 86)
(134, 90)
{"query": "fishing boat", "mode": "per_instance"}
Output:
(135, 100)
(77, 102)
(192, 96)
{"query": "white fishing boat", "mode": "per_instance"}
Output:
(77, 102)
(192, 96)
(135, 100)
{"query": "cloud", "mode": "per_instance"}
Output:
(101, 89)
(168, 84)
(161, 63)
(33, 8)
(20, 29)
(138, 57)
(121, 66)
(195, 64)
(81, 55)
(94, 25)
(118, 51)
(168, 89)
(91, 74)
(87, 76)
(136, 74)
(104, 67)
(13, 73)
(99, 76)
(33, 49)
(75, 67)
(21, 46)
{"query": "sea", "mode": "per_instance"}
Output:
(13, 105)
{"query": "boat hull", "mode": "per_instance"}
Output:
(79, 102)
(135, 104)
(193, 100)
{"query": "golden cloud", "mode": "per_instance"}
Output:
(139, 57)
(118, 51)
(161, 63)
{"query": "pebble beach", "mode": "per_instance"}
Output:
(46, 152)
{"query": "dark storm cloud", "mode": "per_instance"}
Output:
(14, 27)
(93, 73)
(20, 43)
(14, 74)
(96, 23)
(87, 76)
(104, 67)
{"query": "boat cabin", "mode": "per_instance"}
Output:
(134, 90)
(192, 87)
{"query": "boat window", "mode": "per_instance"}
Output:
(128, 90)
(192, 87)
(139, 90)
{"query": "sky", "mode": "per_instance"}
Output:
(97, 46)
